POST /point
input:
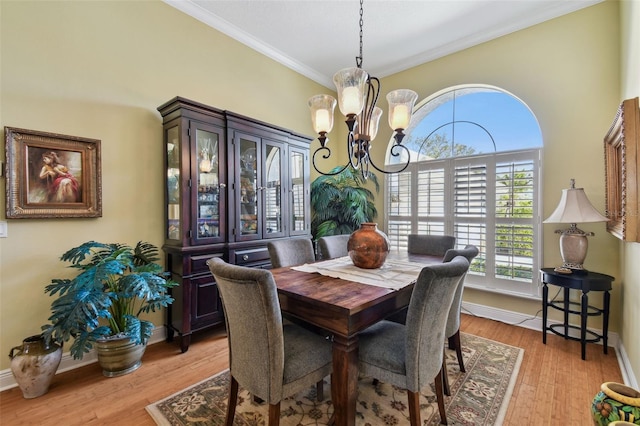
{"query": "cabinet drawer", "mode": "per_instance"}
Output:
(244, 257)
(199, 263)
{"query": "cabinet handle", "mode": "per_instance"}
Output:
(222, 185)
(245, 257)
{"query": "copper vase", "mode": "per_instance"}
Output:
(368, 246)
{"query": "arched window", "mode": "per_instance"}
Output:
(475, 174)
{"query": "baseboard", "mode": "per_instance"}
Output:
(514, 318)
(68, 363)
(535, 323)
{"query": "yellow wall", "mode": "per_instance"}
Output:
(100, 69)
(630, 258)
(567, 71)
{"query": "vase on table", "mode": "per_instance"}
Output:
(33, 364)
(368, 246)
(616, 402)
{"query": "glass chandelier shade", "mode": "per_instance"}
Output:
(357, 97)
(322, 107)
(351, 84)
(401, 104)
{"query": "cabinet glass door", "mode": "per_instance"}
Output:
(174, 191)
(209, 190)
(248, 198)
(272, 189)
(298, 192)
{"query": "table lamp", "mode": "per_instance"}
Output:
(574, 207)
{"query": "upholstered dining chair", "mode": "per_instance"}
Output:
(452, 332)
(332, 246)
(291, 252)
(434, 245)
(410, 355)
(270, 359)
(431, 245)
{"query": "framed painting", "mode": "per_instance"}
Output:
(622, 170)
(51, 175)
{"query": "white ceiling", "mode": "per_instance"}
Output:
(318, 37)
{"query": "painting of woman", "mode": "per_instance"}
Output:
(62, 186)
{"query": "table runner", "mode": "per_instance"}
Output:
(394, 274)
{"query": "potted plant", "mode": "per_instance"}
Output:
(341, 203)
(101, 306)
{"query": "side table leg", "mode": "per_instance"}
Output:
(583, 323)
(566, 312)
(545, 296)
(605, 321)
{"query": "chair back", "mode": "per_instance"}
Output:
(254, 326)
(453, 320)
(433, 245)
(426, 320)
(291, 252)
(333, 246)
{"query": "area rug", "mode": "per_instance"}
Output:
(478, 397)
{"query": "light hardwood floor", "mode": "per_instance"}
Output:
(554, 386)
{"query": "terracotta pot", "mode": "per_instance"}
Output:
(368, 246)
(616, 402)
(119, 356)
(33, 364)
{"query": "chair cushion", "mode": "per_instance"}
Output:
(307, 357)
(382, 348)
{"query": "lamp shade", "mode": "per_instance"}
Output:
(574, 207)
(322, 107)
(350, 85)
(400, 108)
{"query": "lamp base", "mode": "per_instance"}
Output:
(573, 247)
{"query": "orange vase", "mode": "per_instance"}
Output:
(368, 246)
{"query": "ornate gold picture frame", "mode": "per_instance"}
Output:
(622, 168)
(51, 175)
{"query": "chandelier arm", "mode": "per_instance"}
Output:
(404, 166)
(353, 150)
(325, 156)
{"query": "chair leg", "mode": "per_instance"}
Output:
(445, 377)
(440, 399)
(414, 407)
(320, 390)
(274, 414)
(233, 401)
(458, 346)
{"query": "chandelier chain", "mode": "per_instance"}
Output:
(359, 58)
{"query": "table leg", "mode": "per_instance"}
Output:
(545, 296)
(566, 312)
(344, 382)
(605, 321)
(583, 323)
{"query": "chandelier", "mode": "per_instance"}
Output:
(357, 97)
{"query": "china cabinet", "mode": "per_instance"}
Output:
(232, 183)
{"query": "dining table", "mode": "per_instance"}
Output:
(343, 305)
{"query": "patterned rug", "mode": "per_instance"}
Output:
(478, 397)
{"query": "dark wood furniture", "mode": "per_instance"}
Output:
(232, 183)
(344, 308)
(585, 282)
